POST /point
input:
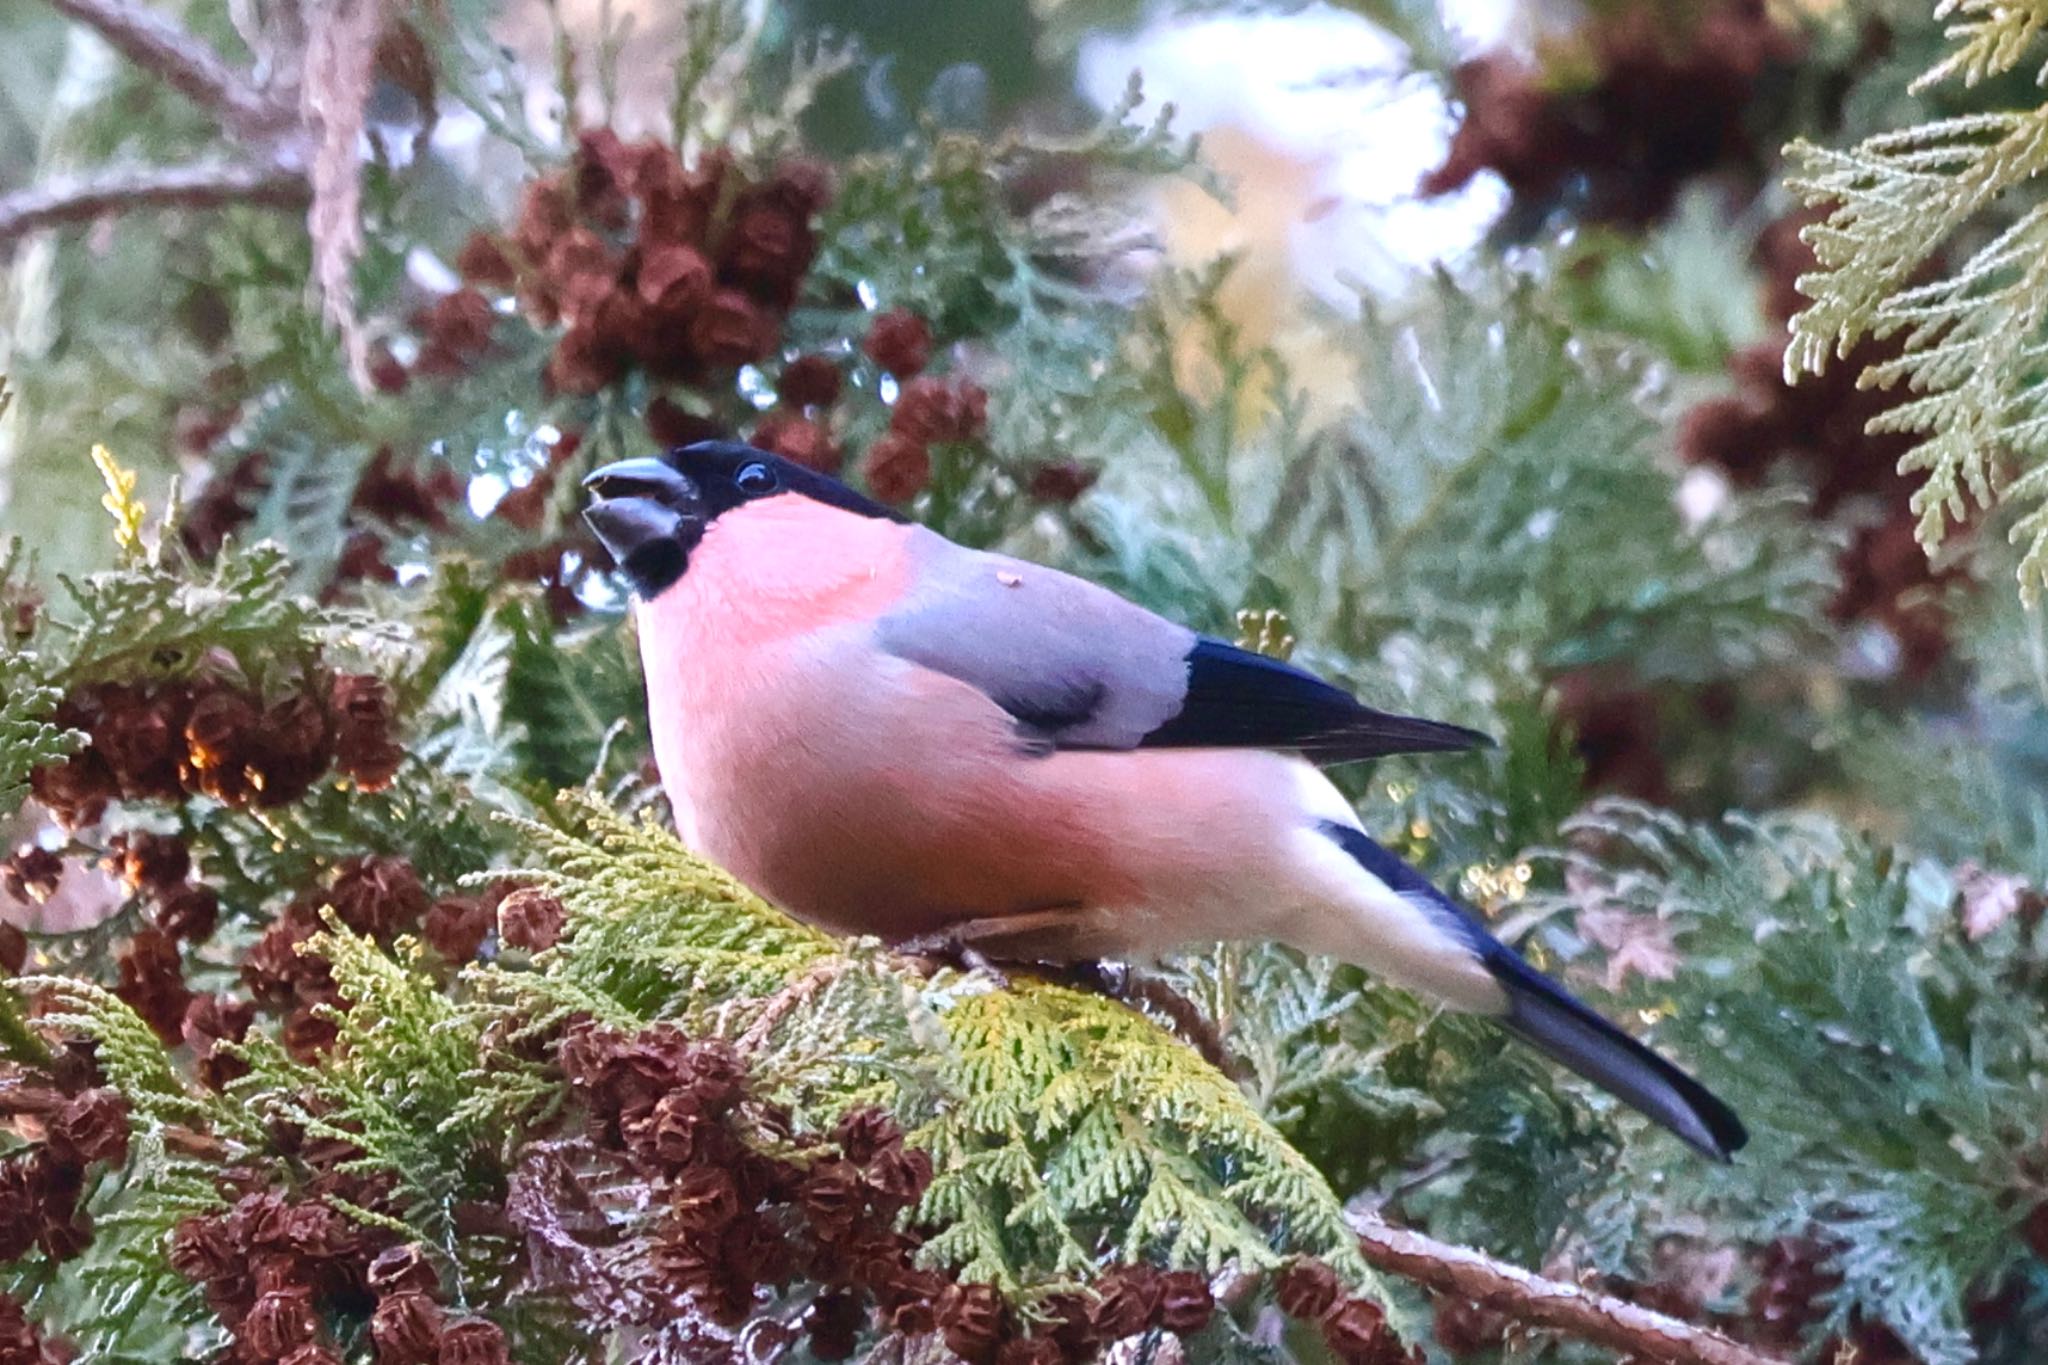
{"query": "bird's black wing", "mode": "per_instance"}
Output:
(1240, 700)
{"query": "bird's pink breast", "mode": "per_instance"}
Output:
(874, 796)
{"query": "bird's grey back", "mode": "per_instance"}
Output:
(1073, 662)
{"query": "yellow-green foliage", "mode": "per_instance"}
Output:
(1066, 1128)
(28, 736)
(133, 1061)
(125, 1272)
(1972, 335)
(654, 933)
(1071, 1122)
(405, 1079)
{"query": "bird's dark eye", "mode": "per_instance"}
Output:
(755, 479)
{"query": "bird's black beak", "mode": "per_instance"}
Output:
(648, 515)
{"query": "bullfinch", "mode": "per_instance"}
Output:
(887, 733)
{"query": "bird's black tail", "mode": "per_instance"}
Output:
(1545, 1014)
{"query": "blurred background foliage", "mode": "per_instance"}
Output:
(1441, 344)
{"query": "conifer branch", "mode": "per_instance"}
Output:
(17, 1039)
(269, 126)
(159, 46)
(206, 185)
(797, 993)
(1464, 1273)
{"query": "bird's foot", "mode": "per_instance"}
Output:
(1103, 976)
(951, 948)
(1121, 982)
(1022, 936)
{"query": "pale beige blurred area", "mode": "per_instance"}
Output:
(644, 38)
(86, 895)
(1273, 192)
(1319, 131)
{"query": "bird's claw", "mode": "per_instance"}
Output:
(1121, 982)
(949, 948)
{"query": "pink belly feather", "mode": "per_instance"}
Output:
(870, 795)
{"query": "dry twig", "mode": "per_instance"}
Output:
(1636, 1332)
(85, 198)
(268, 129)
(157, 45)
(341, 62)
(796, 993)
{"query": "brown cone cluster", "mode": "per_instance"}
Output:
(683, 273)
(147, 861)
(561, 563)
(150, 977)
(76, 1126)
(410, 1326)
(1816, 429)
(1618, 727)
(159, 868)
(281, 1269)
(23, 1343)
(738, 1219)
(526, 506)
(374, 895)
(43, 1187)
(394, 494)
(900, 342)
(1060, 481)
(457, 925)
(455, 332)
(214, 736)
(31, 873)
(530, 919)
(226, 501)
(928, 411)
(1663, 102)
(1355, 1329)
(825, 1212)
(366, 747)
(211, 1020)
(807, 441)
(678, 271)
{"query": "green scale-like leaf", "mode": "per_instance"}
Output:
(1067, 1127)
(1969, 334)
